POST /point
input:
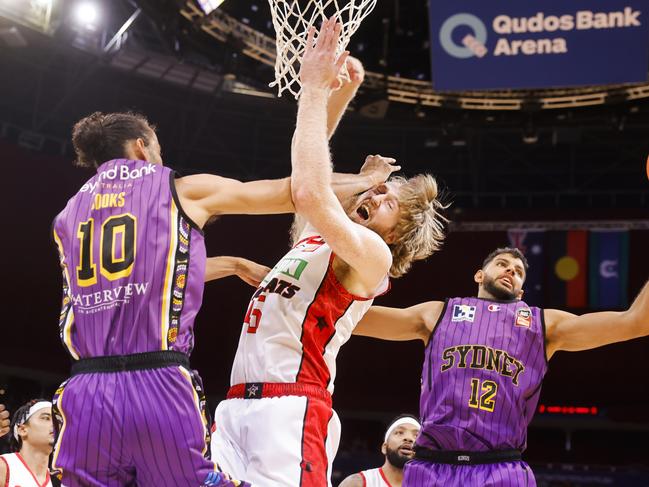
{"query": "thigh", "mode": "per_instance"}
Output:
(168, 430)
(91, 449)
(226, 444)
(285, 441)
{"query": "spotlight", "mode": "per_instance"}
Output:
(209, 5)
(86, 14)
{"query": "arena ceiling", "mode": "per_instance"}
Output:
(210, 98)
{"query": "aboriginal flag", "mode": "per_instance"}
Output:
(567, 269)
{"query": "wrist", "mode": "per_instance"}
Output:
(314, 91)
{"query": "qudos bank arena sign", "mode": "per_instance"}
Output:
(534, 44)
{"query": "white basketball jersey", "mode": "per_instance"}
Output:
(19, 474)
(374, 478)
(297, 320)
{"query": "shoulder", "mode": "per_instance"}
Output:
(553, 317)
(4, 470)
(431, 312)
(354, 480)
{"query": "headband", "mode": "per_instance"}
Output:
(399, 422)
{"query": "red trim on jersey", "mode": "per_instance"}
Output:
(7, 467)
(47, 477)
(364, 479)
(319, 327)
(341, 289)
(385, 479)
(314, 464)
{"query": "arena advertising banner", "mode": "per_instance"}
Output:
(510, 44)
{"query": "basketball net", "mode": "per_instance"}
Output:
(292, 20)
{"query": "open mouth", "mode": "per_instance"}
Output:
(406, 450)
(507, 282)
(363, 212)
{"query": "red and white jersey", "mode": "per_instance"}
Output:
(375, 478)
(19, 474)
(298, 319)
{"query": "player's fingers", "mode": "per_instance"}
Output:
(336, 35)
(309, 40)
(341, 60)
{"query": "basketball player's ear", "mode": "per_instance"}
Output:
(520, 294)
(390, 238)
(478, 277)
(384, 448)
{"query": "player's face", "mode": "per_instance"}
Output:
(39, 430)
(399, 447)
(503, 277)
(378, 210)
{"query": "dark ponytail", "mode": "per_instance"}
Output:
(101, 137)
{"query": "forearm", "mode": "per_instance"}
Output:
(347, 185)
(219, 267)
(338, 103)
(310, 161)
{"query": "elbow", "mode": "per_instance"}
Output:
(305, 198)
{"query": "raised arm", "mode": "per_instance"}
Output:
(399, 324)
(224, 266)
(205, 195)
(566, 331)
(340, 98)
(360, 248)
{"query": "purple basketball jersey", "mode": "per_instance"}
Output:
(482, 375)
(133, 264)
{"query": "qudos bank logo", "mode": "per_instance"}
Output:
(472, 44)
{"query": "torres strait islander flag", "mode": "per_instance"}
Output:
(609, 268)
(567, 269)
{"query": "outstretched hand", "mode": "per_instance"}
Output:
(356, 73)
(378, 168)
(320, 67)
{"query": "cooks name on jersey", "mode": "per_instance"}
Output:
(483, 357)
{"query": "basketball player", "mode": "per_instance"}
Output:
(485, 360)
(277, 427)
(133, 260)
(397, 449)
(31, 441)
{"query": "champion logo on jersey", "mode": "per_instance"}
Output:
(463, 312)
(213, 478)
(493, 308)
(524, 317)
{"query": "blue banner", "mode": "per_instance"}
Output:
(510, 44)
(531, 243)
(609, 269)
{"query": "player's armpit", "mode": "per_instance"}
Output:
(355, 480)
(397, 324)
(205, 195)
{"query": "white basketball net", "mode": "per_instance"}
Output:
(292, 20)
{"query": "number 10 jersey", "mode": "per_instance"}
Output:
(133, 264)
